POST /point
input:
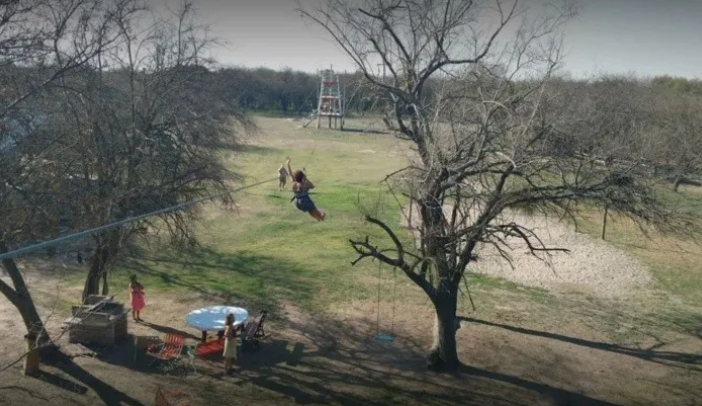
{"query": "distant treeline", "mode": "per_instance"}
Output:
(692, 86)
(290, 92)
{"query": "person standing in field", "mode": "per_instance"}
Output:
(282, 177)
(136, 296)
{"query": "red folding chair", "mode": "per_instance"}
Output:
(169, 351)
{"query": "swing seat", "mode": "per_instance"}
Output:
(385, 337)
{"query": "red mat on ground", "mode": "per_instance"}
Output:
(209, 347)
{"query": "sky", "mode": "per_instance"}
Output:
(644, 37)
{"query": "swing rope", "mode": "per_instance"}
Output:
(378, 335)
(394, 289)
(307, 161)
(377, 316)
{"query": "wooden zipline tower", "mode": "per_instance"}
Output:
(331, 103)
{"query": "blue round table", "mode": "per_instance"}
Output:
(212, 318)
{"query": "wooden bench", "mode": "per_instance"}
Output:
(253, 332)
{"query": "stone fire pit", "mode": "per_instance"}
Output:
(100, 321)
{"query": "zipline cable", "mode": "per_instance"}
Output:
(69, 237)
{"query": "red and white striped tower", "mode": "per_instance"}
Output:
(330, 99)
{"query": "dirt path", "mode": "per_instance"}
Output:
(592, 266)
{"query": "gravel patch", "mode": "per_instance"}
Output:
(592, 266)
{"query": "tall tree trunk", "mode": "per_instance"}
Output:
(105, 285)
(677, 183)
(443, 354)
(105, 250)
(97, 268)
(22, 300)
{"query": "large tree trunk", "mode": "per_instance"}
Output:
(22, 300)
(98, 265)
(105, 250)
(676, 184)
(32, 321)
(443, 354)
(105, 285)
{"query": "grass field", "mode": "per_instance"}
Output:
(522, 345)
(676, 264)
(265, 250)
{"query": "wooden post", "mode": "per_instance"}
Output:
(31, 361)
(604, 222)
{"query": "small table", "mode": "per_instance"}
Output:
(212, 318)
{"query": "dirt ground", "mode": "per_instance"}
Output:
(592, 266)
(333, 358)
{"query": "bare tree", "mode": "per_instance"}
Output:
(482, 141)
(41, 41)
(677, 122)
(142, 125)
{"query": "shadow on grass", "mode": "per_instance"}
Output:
(624, 244)
(7, 391)
(107, 393)
(361, 131)
(62, 383)
(256, 149)
(242, 147)
(651, 354)
(131, 357)
(169, 330)
(324, 360)
(243, 278)
(348, 366)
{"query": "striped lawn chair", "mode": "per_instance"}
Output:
(169, 351)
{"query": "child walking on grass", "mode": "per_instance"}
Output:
(301, 187)
(282, 177)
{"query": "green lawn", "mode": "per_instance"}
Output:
(675, 263)
(266, 251)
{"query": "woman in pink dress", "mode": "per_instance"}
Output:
(136, 296)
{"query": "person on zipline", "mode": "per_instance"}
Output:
(301, 187)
